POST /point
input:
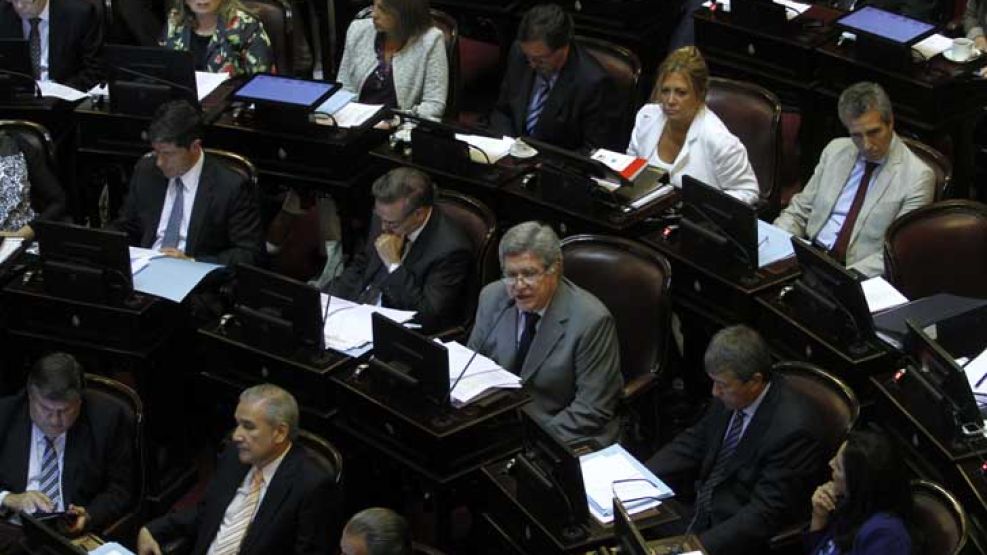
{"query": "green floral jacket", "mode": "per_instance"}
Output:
(238, 46)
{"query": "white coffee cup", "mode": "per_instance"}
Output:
(962, 49)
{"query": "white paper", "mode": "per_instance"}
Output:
(604, 474)
(653, 195)
(881, 295)
(99, 90)
(794, 10)
(482, 375)
(111, 548)
(494, 149)
(724, 5)
(9, 247)
(616, 161)
(355, 114)
(933, 45)
(773, 244)
(976, 370)
(58, 90)
(140, 258)
(206, 82)
(349, 326)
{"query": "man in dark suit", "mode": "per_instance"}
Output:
(267, 496)
(185, 203)
(65, 38)
(415, 258)
(62, 449)
(559, 338)
(755, 452)
(554, 90)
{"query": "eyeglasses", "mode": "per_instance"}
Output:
(526, 277)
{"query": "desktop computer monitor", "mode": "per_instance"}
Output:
(141, 78)
(278, 313)
(882, 37)
(410, 359)
(717, 226)
(44, 539)
(550, 479)
(284, 102)
(16, 74)
(83, 263)
(947, 377)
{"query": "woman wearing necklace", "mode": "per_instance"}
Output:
(397, 58)
(679, 134)
(222, 36)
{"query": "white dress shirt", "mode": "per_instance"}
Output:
(43, 26)
(35, 458)
(831, 229)
(190, 182)
(749, 412)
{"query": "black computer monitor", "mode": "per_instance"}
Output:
(573, 162)
(550, 479)
(718, 227)
(410, 359)
(628, 536)
(945, 375)
(277, 313)
(83, 263)
(16, 74)
(284, 102)
(43, 539)
(831, 299)
(141, 78)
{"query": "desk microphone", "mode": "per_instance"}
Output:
(24, 77)
(510, 304)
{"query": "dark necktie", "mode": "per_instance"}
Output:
(539, 95)
(527, 336)
(172, 231)
(843, 237)
(51, 479)
(704, 496)
(34, 41)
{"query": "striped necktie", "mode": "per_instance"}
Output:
(51, 478)
(228, 539)
(173, 229)
(538, 98)
(704, 496)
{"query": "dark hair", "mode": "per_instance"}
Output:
(547, 23)
(175, 122)
(405, 183)
(738, 349)
(383, 531)
(57, 377)
(412, 15)
(876, 482)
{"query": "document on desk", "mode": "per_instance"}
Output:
(483, 375)
(348, 325)
(9, 246)
(613, 471)
(486, 150)
(112, 548)
(206, 82)
(773, 244)
(356, 114)
(58, 90)
(794, 9)
(933, 45)
(881, 295)
(167, 277)
(976, 374)
(335, 102)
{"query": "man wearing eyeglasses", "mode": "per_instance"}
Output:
(554, 90)
(558, 337)
(64, 38)
(415, 258)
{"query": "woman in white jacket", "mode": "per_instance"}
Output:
(397, 58)
(679, 134)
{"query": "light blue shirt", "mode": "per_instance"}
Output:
(831, 229)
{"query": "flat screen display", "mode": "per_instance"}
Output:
(887, 25)
(285, 90)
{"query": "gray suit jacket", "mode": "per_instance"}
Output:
(573, 366)
(904, 184)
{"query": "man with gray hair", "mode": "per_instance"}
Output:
(415, 257)
(558, 337)
(861, 184)
(267, 496)
(754, 454)
(376, 531)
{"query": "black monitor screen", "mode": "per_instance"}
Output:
(720, 220)
(278, 312)
(15, 68)
(948, 377)
(151, 66)
(84, 263)
(411, 357)
(273, 89)
(886, 25)
(573, 162)
(835, 290)
(44, 540)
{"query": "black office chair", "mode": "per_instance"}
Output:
(278, 18)
(941, 523)
(238, 163)
(31, 135)
(624, 67)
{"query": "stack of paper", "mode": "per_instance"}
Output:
(9, 246)
(629, 167)
(348, 325)
(614, 472)
(773, 244)
(933, 45)
(881, 295)
(482, 376)
(486, 150)
(164, 276)
(976, 374)
(58, 90)
(355, 114)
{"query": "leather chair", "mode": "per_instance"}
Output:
(278, 19)
(940, 248)
(753, 114)
(624, 68)
(125, 397)
(323, 453)
(939, 519)
(450, 29)
(234, 162)
(34, 137)
(632, 281)
(940, 165)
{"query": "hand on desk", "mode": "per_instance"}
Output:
(28, 502)
(81, 520)
(175, 253)
(389, 248)
(823, 504)
(146, 544)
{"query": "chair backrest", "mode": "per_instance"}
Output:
(624, 68)
(480, 225)
(938, 518)
(939, 164)
(31, 135)
(450, 29)
(833, 400)
(323, 454)
(277, 17)
(632, 281)
(753, 114)
(237, 163)
(940, 248)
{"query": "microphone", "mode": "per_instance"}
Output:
(25, 77)
(510, 304)
(191, 94)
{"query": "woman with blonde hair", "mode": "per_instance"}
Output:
(222, 35)
(680, 134)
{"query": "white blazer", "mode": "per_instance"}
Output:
(711, 153)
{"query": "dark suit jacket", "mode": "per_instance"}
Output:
(225, 224)
(581, 112)
(431, 280)
(295, 517)
(74, 41)
(98, 469)
(769, 479)
(573, 365)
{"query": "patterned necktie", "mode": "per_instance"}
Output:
(704, 496)
(228, 539)
(51, 478)
(34, 41)
(843, 237)
(172, 230)
(538, 98)
(527, 336)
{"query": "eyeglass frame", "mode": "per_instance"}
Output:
(533, 279)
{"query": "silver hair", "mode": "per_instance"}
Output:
(533, 237)
(405, 183)
(280, 406)
(384, 532)
(738, 349)
(860, 98)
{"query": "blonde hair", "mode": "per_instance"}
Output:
(181, 15)
(688, 62)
